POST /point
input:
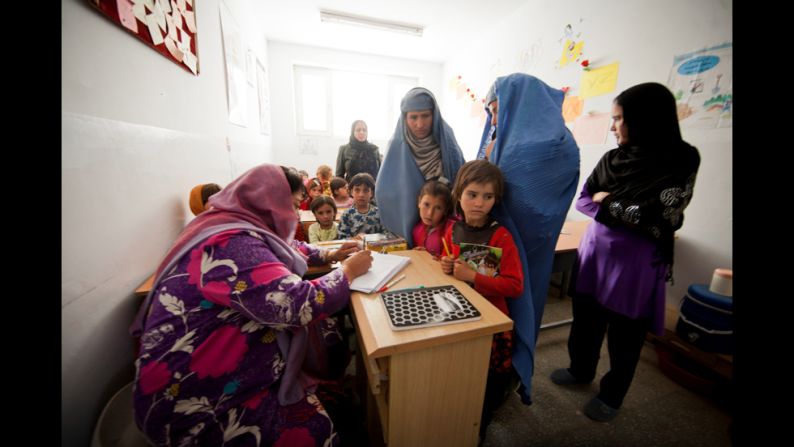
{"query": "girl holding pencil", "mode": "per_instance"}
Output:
(435, 217)
(478, 187)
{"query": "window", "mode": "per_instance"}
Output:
(328, 101)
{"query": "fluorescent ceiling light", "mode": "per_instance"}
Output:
(380, 24)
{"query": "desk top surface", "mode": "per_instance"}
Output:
(379, 340)
(571, 234)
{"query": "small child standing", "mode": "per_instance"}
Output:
(324, 174)
(340, 193)
(363, 217)
(313, 189)
(478, 237)
(435, 217)
(325, 229)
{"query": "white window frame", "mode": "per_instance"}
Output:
(328, 75)
(298, 71)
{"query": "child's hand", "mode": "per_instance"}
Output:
(420, 248)
(447, 264)
(464, 272)
(359, 237)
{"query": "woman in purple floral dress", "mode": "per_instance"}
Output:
(234, 343)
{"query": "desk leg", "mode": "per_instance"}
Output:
(564, 283)
(436, 394)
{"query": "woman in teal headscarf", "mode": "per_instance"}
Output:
(540, 162)
(422, 148)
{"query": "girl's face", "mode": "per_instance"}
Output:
(618, 125)
(360, 132)
(342, 193)
(315, 191)
(325, 215)
(476, 202)
(431, 210)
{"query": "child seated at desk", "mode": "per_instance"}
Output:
(363, 217)
(325, 229)
(340, 193)
(478, 237)
(313, 189)
(435, 217)
(324, 174)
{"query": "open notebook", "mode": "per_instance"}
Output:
(384, 267)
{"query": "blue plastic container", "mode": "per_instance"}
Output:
(706, 320)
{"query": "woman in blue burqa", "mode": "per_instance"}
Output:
(422, 148)
(540, 162)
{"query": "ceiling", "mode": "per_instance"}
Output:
(447, 24)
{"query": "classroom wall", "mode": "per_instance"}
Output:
(283, 56)
(644, 36)
(138, 132)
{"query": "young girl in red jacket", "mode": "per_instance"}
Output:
(478, 187)
(435, 217)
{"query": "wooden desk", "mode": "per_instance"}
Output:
(565, 251)
(428, 384)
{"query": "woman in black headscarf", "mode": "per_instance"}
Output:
(636, 194)
(359, 155)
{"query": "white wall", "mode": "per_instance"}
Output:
(137, 133)
(644, 36)
(283, 56)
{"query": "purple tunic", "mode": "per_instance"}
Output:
(615, 266)
(209, 365)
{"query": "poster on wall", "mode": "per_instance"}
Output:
(250, 66)
(702, 82)
(234, 57)
(168, 26)
(264, 98)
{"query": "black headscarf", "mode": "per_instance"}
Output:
(357, 156)
(650, 179)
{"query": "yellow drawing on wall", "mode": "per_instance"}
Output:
(572, 108)
(599, 81)
(571, 51)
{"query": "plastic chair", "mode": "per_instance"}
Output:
(116, 425)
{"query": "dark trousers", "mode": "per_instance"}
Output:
(495, 390)
(625, 338)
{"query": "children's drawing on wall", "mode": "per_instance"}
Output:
(496, 70)
(599, 80)
(233, 52)
(308, 146)
(250, 66)
(572, 45)
(572, 107)
(702, 83)
(592, 128)
(529, 59)
(469, 100)
(264, 98)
